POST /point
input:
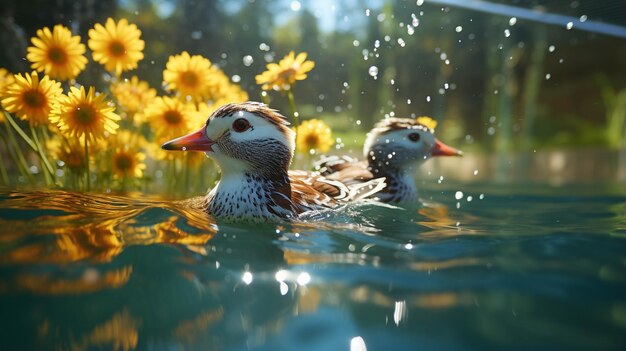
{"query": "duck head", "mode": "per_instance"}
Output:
(403, 143)
(243, 137)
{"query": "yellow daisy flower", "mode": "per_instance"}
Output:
(70, 151)
(117, 46)
(427, 122)
(132, 95)
(31, 99)
(284, 74)
(127, 160)
(6, 79)
(313, 136)
(87, 114)
(189, 75)
(169, 118)
(57, 53)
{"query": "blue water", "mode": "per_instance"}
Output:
(523, 268)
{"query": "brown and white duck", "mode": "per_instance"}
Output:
(394, 148)
(253, 146)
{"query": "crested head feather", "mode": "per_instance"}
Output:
(390, 124)
(260, 109)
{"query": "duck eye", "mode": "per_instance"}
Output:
(414, 137)
(241, 125)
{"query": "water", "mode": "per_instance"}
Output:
(524, 268)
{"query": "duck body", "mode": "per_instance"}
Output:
(253, 146)
(394, 148)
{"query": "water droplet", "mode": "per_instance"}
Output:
(428, 98)
(512, 21)
(356, 43)
(367, 12)
(401, 42)
(551, 48)
(420, 2)
(569, 25)
(284, 288)
(184, 148)
(507, 33)
(295, 6)
(458, 195)
(247, 278)
(475, 172)
(408, 246)
(373, 71)
(583, 18)
(236, 78)
(548, 76)
(248, 60)
(415, 22)
(458, 29)
(304, 278)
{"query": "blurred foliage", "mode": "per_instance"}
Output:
(488, 74)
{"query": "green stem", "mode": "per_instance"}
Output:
(187, 166)
(3, 171)
(87, 180)
(47, 168)
(20, 131)
(292, 106)
(16, 153)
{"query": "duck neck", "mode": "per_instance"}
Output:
(400, 183)
(251, 195)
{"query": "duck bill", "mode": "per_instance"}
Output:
(442, 149)
(197, 141)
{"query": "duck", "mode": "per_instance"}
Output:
(393, 149)
(253, 146)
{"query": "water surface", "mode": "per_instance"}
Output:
(520, 268)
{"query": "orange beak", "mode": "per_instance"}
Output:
(442, 149)
(197, 141)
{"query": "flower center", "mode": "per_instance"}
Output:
(124, 162)
(189, 79)
(57, 56)
(85, 115)
(117, 48)
(312, 141)
(288, 74)
(172, 117)
(34, 99)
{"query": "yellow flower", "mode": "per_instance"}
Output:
(132, 95)
(70, 151)
(87, 114)
(170, 118)
(189, 75)
(117, 46)
(57, 53)
(284, 74)
(427, 122)
(127, 160)
(32, 99)
(313, 136)
(6, 79)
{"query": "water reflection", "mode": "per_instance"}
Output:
(84, 272)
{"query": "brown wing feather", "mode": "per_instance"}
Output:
(307, 187)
